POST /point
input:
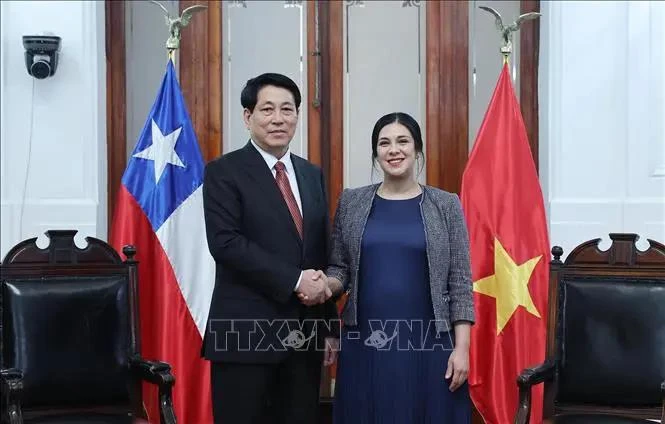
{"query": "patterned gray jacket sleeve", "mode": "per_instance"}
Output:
(338, 266)
(459, 276)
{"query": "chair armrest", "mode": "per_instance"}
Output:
(11, 380)
(536, 375)
(154, 372)
(158, 373)
(525, 381)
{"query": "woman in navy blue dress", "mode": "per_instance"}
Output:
(400, 250)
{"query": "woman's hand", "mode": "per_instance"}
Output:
(458, 368)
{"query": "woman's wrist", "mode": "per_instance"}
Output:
(462, 347)
(462, 336)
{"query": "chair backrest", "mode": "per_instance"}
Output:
(608, 335)
(68, 322)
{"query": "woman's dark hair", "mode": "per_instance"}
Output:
(410, 124)
(250, 93)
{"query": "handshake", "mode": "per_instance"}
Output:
(313, 288)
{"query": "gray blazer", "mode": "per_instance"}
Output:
(447, 252)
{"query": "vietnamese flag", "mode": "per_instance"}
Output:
(505, 214)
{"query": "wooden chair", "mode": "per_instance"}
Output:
(70, 338)
(606, 336)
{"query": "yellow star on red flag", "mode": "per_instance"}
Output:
(509, 285)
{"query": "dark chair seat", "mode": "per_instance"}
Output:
(86, 419)
(595, 419)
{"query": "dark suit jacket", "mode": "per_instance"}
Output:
(259, 256)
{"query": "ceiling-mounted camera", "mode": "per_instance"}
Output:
(41, 55)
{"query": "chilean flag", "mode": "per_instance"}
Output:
(159, 209)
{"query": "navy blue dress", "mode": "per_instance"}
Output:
(392, 364)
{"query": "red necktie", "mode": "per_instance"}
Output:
(283, 183)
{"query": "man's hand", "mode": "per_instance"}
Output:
(332, 347)
(313, 288)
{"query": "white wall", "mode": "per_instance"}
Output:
(65, 146)
(602, 98)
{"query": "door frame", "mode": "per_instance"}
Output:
(116, 107)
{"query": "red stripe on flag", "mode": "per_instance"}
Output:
(168, 332)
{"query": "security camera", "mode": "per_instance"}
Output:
(41, 55)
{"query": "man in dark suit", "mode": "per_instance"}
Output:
(266, 218)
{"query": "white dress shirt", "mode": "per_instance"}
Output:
(290, 173)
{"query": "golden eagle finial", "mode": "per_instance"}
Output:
(176, 23)
(507, 31)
